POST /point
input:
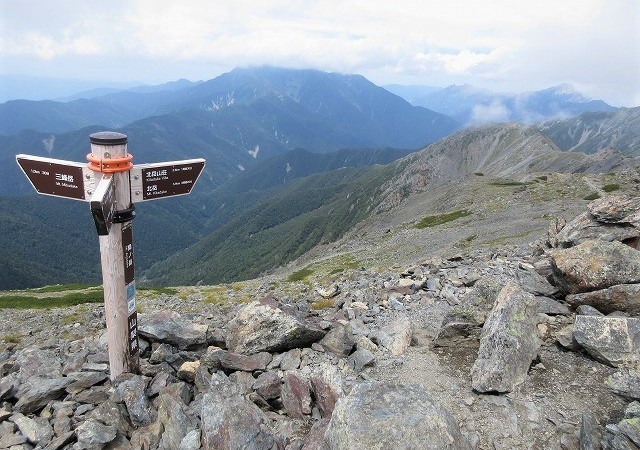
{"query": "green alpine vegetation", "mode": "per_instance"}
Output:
(32, 302)
(432, 221)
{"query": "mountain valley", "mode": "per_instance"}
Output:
(350, 272)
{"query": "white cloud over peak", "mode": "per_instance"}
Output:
(499, 44)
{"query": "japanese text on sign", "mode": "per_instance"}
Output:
(133, 333)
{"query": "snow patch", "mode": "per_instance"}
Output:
(220, 102)
(288, 168)
(254, 152)
(241, 167)
(48, 143)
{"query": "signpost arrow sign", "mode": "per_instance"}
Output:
(57, 177)
(154, 181)
(111, 183)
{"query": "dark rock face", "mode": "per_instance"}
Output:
(263, 328)
(595, 265)
(508, 344)
(380, 415)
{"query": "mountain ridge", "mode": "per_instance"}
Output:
(471, 105)
(506, 152)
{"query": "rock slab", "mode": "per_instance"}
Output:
(508, 343)
(383, 415)
(610, 340)
(170, 328)
(595, 265)
(265, 328)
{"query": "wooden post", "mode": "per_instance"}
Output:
(116, 255)
(107, 183)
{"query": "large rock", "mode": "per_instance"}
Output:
(266, 328)
(236, 361)
(131, 391)
(508, 343)
(339, 340)
(625, 382)
(385, 416)
(327, 386)
(169, 327)
(36, 392)
(622, 297)
(34, 362)
(595, 265)
(396, 335)
(612, 218)
(616, 209)
(230, 422)
(176, 420)
(93, 434)
(610, 340)
(296, 397)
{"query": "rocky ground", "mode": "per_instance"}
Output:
(496, 346)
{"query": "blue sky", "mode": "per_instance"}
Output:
(503, 45)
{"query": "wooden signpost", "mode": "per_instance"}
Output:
(112, 185)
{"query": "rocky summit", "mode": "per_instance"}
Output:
(533, 346)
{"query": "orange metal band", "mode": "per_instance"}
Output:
(111, 165)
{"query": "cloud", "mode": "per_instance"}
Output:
(495, 112)
(498, 44)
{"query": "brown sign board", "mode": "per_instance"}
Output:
(103, 204)
(127, 252)
(55, 177)
(132, 322)
(154, 181)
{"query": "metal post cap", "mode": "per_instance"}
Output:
(108, 138)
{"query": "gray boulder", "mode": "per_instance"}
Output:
(610, 340)
(590, 433)
(36, 392)
(327, 387)
(229, 421)
(175, 419)
(93, 434)
(396, 335)
(170, 328)
(595, 265)
(384, 416)
(625, 382)
(508, 344)
(612, 218)
(131, 391)
(339, 340)
(266, 328)
(622, 297)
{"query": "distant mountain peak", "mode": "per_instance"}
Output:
(470, 105)
(567, 92)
